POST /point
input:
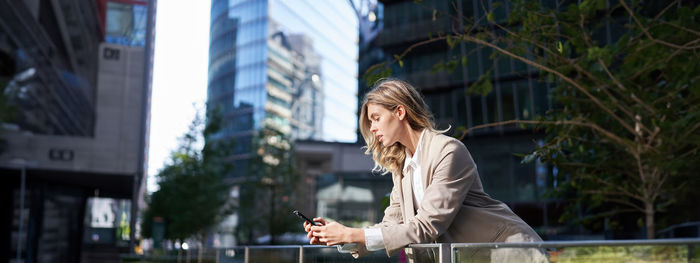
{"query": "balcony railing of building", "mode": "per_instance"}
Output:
(658, 250)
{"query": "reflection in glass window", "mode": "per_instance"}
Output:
(460, 102)
(525, 187)
(472, 62)
(541, 98)
(524, 100)
(477, 112)
(125, 24)
(492, 107)
(507, 101)
(495, 172)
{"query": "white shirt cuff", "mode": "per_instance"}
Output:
(373, 239)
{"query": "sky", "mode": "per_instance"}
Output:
(179, 76)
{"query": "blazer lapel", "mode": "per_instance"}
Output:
(425, 161)
(407, 190)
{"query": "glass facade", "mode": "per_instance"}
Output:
(48, 56)
(237, 69)
(126, 23)
(517, 94)
(267, 66)
(332, 28)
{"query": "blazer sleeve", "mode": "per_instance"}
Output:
(392, 216)
(452, 177)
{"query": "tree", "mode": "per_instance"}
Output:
(624, 132)
(193, 196)
(268, 189)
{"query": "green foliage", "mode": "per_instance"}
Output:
(624, 254)
(398, 59)
(637, 90)
(624, 133)
(192, 196)
(377, 72)
(482, 86)
(268, 193)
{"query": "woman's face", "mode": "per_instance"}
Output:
(384, 124)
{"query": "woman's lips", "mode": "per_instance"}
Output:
(379, 138)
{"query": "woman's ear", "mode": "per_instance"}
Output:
(400, 112)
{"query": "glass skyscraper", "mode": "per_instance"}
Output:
(287, 65)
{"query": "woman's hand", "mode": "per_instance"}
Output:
(307, 227)
(334, 233)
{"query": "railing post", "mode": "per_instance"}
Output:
(301, 254)
(246, 255)
(445, 253)
(691, 251)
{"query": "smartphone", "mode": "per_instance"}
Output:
(302, 216)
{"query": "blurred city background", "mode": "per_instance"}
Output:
(177, 129)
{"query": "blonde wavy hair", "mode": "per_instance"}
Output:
(390, 93)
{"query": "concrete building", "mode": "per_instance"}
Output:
(337, 182)
(79, 138)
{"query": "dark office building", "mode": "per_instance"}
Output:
(516, 95)
(77, 77)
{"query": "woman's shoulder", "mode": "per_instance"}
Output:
(440, 146)
(441, 142)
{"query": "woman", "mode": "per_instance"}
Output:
(437, 194)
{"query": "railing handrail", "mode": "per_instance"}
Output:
(668, 241)
(446, 251)
(580, 243)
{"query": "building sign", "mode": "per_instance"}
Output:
(110, 54)
(65, 155)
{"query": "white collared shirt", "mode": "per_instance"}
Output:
(411, 167)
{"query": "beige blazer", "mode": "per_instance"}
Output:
(454, 208)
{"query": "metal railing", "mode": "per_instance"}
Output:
(658, 250)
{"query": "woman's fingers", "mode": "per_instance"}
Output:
(317, 228)
(320, 220)
(314, 241)
(324, 237)
(313, 233)
(328, 242)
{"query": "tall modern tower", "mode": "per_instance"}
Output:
(289, 66)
